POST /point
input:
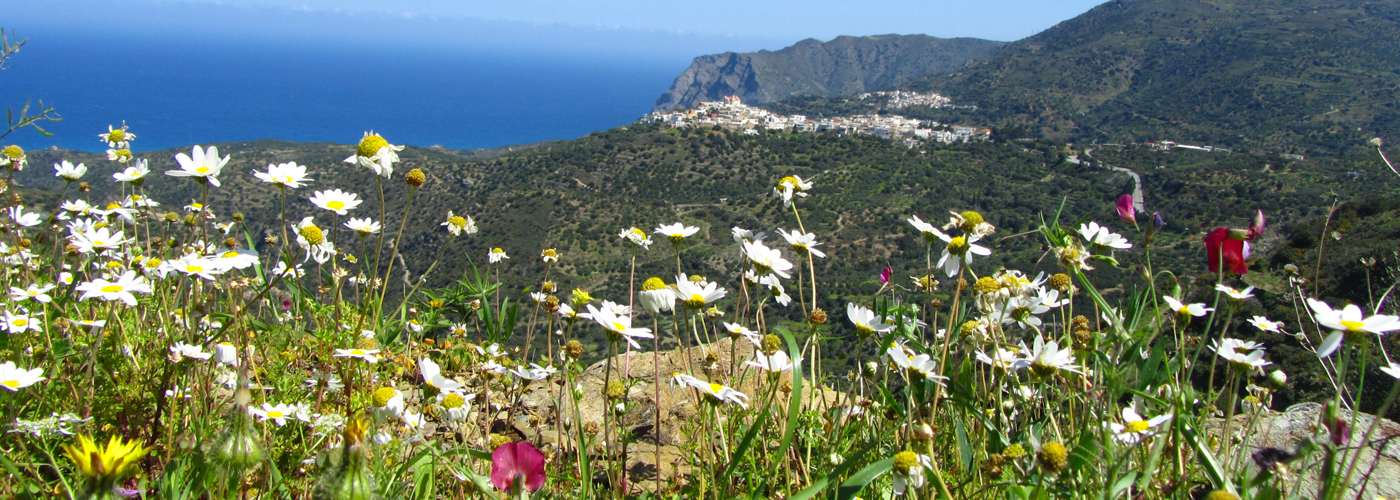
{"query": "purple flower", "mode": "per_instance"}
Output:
(1157, 221)
(885, 275)
(517, 459)
(1126, 210)
(1256, 227)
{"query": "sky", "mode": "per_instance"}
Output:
(627, 28)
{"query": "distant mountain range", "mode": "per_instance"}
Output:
(1288, 75)
(1300, 76)
(845, 65)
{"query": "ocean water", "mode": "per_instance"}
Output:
(177, 92)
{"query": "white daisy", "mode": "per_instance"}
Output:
(117, 137)
(366, 354)
(791, 186)
(767, 260)
(959, 251)
(181, 350)
(496, 255)
(1047, 358)
(32, 292)
(719, 392)
(135, 173)
(1134, 427)
(736, 329)
(865, 320)
(376, 153)
(1264, 324)
(1348, 321)
(121, 289)
(1196, 309)
(676, 232)
(98, 239)
(741, 235)
(619, 325)
(20, 323)
(336, 200)
(363, 227)
(286, 175)
(1235, 294)
(203, 166)
(802, 243)
(777, 363)
(695, 296)
(24, 219)
(15, 378)
(278, 414)
(432, 374)
(1245, 354)
(636, 236)
(1100, 236)
(68, 171)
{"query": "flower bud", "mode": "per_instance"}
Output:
(415, 178)
(574, 349)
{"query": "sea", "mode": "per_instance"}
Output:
(174, 93)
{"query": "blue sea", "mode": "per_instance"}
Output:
(178, 92)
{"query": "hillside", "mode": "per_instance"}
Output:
(1289, 75)
(576, 195)
(845, 65)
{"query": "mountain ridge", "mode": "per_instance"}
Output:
(845, 65)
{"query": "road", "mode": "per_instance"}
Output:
(1137, 179)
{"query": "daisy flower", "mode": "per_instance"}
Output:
(235, 259)
(1134, 427)
(457, 224)
(122, 289)
(366, 354)
(1006, 359)
(204, 165)
(32, 292)
(618, 325)
(791, 186)
(637, 237)
(1244, 354)
(656, 296)
(20, 323)
(196, 265)
(225, 354)
(1349, 321)
(68, 171)
(13, 156)
(496, 255)
(336, 200)
(455, 404)
(24, 219)
(741, 235)
(278, 414)
(929, 232)
(314, 241)
(1264, 324)
(376, 153)
(802, 243)
(1047, 358)
(1235, 294)
(15, 378)
(959, 252)
(1022, 311)
(117, 137)
(767, 260)
(181, 350)
(865, 320)
(736, 330)
(775, 289)
(695, 296)
(1073, 256)
(363, 227)
(920, 365)
(777, 363)
(387, 402)
(432, 374)
(1196, 309)
(549, 255)
(133, 174)
(1100, 236)
(719, 392)
(908, 471)
(676, 232)
(98, 239)
(284, 175)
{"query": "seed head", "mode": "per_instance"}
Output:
(172, 217)
(1061, 282)
(1053, 456)
(574, 349)
(238, 217)
(191, 220)
(83, 187)
(818, 316)
(771, 344)
(615, 390)
(970, 221)
(1014, 451)
(653, 283)
(549, 287)
(496, 440)
(551, 303)
(453, 400)
(970, 327)
(230, 243)
(382, 396)
(415, 178)
(986, 285)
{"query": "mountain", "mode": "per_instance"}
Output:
(1288, 75)
(845, 65)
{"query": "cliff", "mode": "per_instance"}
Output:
(843, 66)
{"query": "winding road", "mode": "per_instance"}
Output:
(1137, 179)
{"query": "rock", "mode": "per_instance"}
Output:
(1378, 471)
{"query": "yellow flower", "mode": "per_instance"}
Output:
(106, 464)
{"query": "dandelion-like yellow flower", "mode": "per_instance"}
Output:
(108, 464)
(312, 234)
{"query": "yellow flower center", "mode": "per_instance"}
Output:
(98, 243)
(789, 181)
(357, 352)
(370, 145)
(497, 251)
(117, 135)
(202, 170)
(286, 179)
(13, 384)
(229, 254)
(619, 327)
(457, 221)
(13, 152)
(152, 263)
(453, 400)
(696, 300)
(382, 396)
(715, 388)
(21, 322)
(113, 206)
(194, 269)
(112, 288)
(335, 205)
(653, 283)
(1138, 426)
(904, 461)
(958, 246)
(275, 414)
(313, 235)
(1352, 326)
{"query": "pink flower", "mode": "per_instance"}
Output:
(1256, 227)
(517, 459)
(885, 275)
(1221, 248)
(1126, 210)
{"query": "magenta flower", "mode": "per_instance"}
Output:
(1126, 210)
(885, 275)
(1256, 227)
(517, 459)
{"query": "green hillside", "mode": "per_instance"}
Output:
(1290, 75)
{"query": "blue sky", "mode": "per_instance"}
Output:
(663, 28)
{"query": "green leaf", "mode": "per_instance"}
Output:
(746, 442)
(1214, 471)
(821, 483)
(795, 403)
(1122, 484)
(860, 480)
(964, 448)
